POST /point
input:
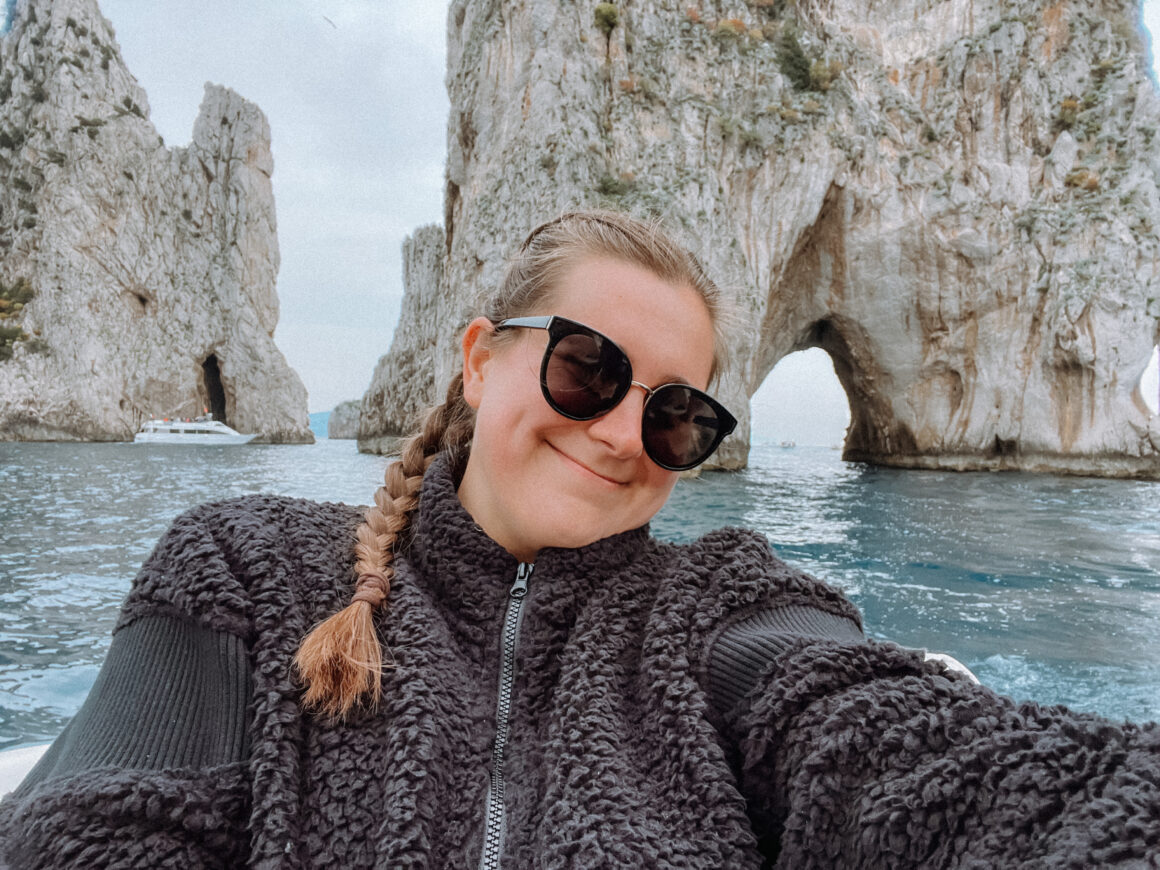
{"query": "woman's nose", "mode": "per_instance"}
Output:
(620, 427)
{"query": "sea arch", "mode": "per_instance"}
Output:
(810, 306)
(1149, 385)
(801, 401)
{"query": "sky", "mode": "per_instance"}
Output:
(354, 93)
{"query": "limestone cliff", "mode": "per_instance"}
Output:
(956, 199)
(135, 279)
(343, 421)
(423, 350)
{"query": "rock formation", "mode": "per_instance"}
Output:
(135, 279)
(343, 421)
(956, 199)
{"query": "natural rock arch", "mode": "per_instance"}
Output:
(802, 401)
(1148, 384)
(811, 313)
(953, 198)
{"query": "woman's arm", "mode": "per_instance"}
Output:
(151, 772)
(861, 754)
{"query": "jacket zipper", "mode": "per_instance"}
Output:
(495, 825)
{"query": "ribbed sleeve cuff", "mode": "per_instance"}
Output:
(743, 650)
(171, 694)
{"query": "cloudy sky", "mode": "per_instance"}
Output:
(354, 94)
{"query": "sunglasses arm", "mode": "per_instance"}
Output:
(542, 322)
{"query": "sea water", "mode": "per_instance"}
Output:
(1048, 588)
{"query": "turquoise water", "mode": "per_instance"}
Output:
(1047, 587)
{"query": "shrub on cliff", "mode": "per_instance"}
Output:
(607, 17)
(17, 294)
(9, 335)
(792, 60)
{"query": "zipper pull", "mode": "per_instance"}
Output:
(520, 586)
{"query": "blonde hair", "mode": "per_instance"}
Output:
(340, 662)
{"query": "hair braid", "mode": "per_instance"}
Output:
(341, 661)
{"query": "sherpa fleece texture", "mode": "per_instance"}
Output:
(642, 734)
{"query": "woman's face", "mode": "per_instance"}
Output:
(536, 479)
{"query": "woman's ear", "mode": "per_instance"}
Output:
(476, 353)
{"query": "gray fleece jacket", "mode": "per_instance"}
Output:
(701, 705)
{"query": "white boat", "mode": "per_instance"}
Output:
(15, 764)
(202, 430)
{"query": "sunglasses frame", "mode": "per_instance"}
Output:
(561, 327)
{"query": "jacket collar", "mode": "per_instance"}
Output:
(469, 570)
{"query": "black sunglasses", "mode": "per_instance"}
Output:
(585, 375)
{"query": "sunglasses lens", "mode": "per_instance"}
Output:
(681, 428)
(585, 375)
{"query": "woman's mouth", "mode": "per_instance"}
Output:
(588, 471)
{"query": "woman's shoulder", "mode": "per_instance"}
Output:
(738, 570)
(269, 509)
(250, 531)
(732, 553)
(215, 558)
(254, 522)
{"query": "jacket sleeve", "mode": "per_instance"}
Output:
(856, 753)
(152, 771)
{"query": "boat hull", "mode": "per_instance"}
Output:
(192, 440)
(200, 432)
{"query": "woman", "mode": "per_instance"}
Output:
(559, 689)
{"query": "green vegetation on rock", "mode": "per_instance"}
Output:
(13, 298)
(9, 335)
(18, 294)
(805, 73)
(610, 185)
(792, 60)
(607, 17)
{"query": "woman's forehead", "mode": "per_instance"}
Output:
(663, 327)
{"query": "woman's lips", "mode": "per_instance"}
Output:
(587, 470)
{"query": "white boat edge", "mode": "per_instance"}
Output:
(951, 663)
(15, 764)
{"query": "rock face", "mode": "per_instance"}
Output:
(343, 421)
(135, 280)
(957, 200)
(423, 351)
